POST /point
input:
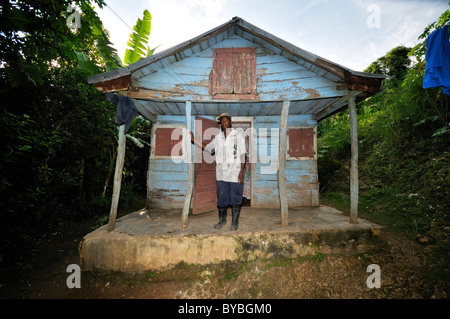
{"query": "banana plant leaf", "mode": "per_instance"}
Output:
(86, 64)
(106, 50)
(137, 44)
(137, 47)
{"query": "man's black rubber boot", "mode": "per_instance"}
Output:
(222, 217)
(235, 212)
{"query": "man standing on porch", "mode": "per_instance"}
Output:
(229, 149)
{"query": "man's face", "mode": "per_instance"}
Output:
(225, 122)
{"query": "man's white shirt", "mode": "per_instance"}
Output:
(228, 153)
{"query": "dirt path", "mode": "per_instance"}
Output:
(408, 270)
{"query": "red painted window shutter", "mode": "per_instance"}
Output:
(233, 74)
(222, 82)
(301, 142)
(164, 142)
(244, 77)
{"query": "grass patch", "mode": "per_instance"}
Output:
(278, 262)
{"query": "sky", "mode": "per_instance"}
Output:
(352, 33)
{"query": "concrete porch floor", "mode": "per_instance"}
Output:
(145, 241)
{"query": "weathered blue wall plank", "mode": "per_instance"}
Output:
(167, 180)
(278, 78)
(301, 176)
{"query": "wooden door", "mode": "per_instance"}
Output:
(204, 198)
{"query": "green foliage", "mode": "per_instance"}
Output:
(86, 64)
(394, 64)
(58, 134)
(106, 50)
(109, 57)
(137, 44)
(403, 145)
(22, 141)
(418, 52)
(55, 140)
(403, 152)
(35, 35)
(110, 60)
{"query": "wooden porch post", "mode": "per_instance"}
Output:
(117, 178)
(354, 161)
(187, 140)
(281, 165)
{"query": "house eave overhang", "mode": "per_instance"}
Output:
(362, 85)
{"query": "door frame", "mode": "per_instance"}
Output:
(251, 148)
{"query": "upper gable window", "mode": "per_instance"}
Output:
(233, 75)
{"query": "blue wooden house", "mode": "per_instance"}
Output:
(276, 92)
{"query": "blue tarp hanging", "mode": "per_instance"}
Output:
(437, 56)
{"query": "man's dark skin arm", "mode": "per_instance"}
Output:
(199, 144)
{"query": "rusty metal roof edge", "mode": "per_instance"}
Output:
(301, 53)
